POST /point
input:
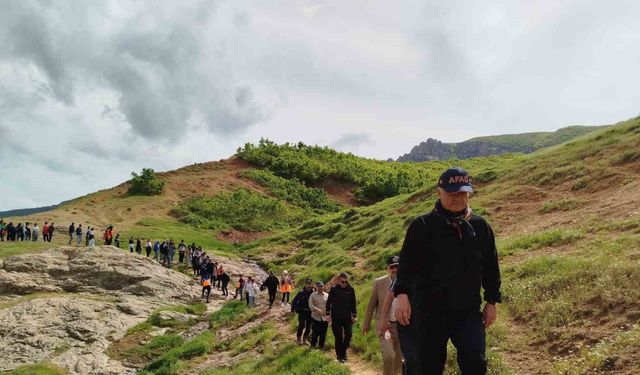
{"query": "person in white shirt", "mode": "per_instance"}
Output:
(318, 306)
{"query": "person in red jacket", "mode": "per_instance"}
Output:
(45, 231)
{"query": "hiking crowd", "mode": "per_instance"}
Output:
(430, 295)
(25, 231)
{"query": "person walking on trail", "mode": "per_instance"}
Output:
(318, 307)
(52, 228)
(138, 246)
(116, 240)
(148, 247)
(389, 343)
(224, 278)
(252, 292)
(27, 232)
(72, 231)
(78, 235)
(286, 287)
(156, 251)
(271, 284)
(219, 270)
(300, 305)
(35, 232)
(240, 288)
(131, 244)
(341, 314)
(2, 226)
(206, 287)
(45, 231)
(447, 256)
(108, 235)
(182, 248)
(91, 236)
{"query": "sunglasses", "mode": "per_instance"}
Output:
(343, 281)
(394, 267)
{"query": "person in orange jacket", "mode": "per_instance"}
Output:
(286, 287)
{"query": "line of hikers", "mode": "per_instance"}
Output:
(25, 231)
(431, 294)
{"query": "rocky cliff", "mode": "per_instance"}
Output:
(66, 305)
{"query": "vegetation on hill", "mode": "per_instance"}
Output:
(376, 179)
(568, 241)
(243, 210)
(433, 149)
(293, 191)
(146, 183)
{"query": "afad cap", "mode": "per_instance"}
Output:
(393, 260)
(455, 180)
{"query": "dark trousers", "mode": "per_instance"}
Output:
(207, 290)
(225, 291)
(342, 331)
(318, 333)
(424, 343)
(272, 298)
(304, 324)
(285, 295)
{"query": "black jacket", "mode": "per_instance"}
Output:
(442, 272)
(300, 302)
(341, 303)
(271, 283)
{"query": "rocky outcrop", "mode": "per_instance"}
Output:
(67, 305)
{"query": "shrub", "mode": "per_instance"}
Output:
(242, 209)
(146, 183)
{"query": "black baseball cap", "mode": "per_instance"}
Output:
(393, 260)
(455, 180)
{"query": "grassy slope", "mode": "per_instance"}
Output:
(568, 230)
(568, 274)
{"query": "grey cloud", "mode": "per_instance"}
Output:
(157, 60)
(352, 140)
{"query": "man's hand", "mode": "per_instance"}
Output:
(403, 309)
(365, 329)
(354, 320)
(383, 327)
(490, 314)
(328, 319)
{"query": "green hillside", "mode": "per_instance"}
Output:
(568, 229)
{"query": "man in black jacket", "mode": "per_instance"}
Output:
(447, 256)
(271, 283)
(72, 231)
(300, 305)
(341, 314)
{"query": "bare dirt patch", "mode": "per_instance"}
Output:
(343, 192)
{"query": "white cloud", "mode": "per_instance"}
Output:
(90, 91)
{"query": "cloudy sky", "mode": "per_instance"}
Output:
(92, 90)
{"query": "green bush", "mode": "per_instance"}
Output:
(294, 191)
(242, 209)
(146, 183)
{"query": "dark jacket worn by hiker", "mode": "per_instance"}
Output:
(300, 302)
(271, 283)
(341, 303)
(445, 261)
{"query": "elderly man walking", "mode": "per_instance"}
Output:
(389, 343)
(448, 255)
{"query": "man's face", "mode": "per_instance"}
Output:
(454, 201)
(308, 287)
(343, 282)
(320, 288)
(393, 270)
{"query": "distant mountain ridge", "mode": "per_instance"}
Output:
(433, 149)
(28, 211)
